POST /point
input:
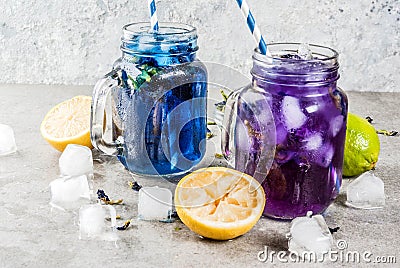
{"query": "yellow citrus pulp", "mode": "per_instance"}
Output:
(219, 203)
(68, 123)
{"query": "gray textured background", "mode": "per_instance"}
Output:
(76, 41)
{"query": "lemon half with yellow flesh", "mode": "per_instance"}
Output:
(219, 203)
(68, 123)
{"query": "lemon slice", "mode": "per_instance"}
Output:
(219, 203)
(68, 123)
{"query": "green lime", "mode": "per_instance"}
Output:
(362, 146)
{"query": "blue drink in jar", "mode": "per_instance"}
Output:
(157, 91)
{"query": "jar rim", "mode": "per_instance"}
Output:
(166, 29)
(291, 47)
(285, 67)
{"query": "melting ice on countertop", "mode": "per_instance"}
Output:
(69, 192)
(73, 187)
(309, 234)
(7, 140)
(76, 160)
(93, 224)
(154, 203)
(366, 192)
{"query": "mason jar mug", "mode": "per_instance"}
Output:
(288, 128)
(150, 110)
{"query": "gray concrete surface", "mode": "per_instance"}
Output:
(31, 235)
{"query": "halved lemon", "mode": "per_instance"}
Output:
(68, 123)
(219, 203)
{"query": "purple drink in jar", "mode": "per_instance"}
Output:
(287, 129)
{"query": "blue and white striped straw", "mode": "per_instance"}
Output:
(153, 15)
(244, 7)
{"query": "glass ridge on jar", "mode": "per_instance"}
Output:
(158, 101)
(309, 113)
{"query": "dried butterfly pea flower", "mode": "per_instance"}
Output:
(114, 202)
(125, 226)
(386, 132)
(134, 186)
(334, 230)
(103, 197)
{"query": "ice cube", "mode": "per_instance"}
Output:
(7, 140)
(293, 115)
(314, 142)
(309, 237)
(366, 192)
(154, 203)
(323, 155)
(92, 222)
(76, 160)
(336, 124)
(304, 52)
(67, 191)
(312, 108)
(165, 48)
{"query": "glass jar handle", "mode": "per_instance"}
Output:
(248, 133)
(101, 91)
(228, 127)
